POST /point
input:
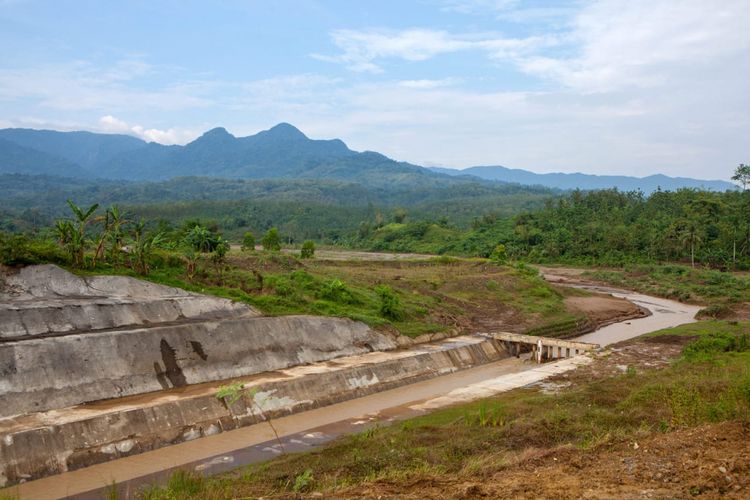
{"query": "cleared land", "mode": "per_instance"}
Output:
(437, 296)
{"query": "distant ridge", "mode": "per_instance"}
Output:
(586, 181)
(281, 152)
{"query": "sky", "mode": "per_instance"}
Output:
(628, 87)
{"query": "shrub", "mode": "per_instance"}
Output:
(390, 304)
(202, 239)
(499, 254)
(336, 291)
(18, 249)
(303, 481)
(248, 242)
(716, 342)
(271, 240)
(308, 250)
(526, 270)
(715, 311)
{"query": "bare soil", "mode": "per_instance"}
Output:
(604, 309)
(711, 461)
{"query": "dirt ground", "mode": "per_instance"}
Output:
(603, 309)
(712, 461)
(469, 306)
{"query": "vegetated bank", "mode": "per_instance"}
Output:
(667, 414)
(434, 296)
(602, 228)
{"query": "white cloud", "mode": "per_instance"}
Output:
(477, 6)
(110, 124)
(429, 84)
(82, 85)
(361, 49)
(646, 43)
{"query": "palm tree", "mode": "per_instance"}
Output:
(742, 175)
(691, 235)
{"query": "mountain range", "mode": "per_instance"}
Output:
(585, 181)
(282, 152)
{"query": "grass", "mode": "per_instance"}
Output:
(710, 382)
(719, 291)
(412, 297)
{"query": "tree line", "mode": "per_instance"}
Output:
(113, 237)
(605, 227)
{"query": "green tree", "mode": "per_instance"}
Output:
(118, 220)
(742, 175)
(399, 215)
(248, 242)
(77, 240)
(271, 240)
(202, 239)
(500, 254)
(691, 236)
(219, 255)
(308, 250)
(143, 244)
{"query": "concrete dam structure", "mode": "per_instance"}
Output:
(95, 368)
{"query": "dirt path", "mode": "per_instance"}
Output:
(341, 254)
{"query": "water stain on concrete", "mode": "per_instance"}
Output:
(172, 370)
(198, 349)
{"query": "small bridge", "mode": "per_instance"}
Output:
(541, 348)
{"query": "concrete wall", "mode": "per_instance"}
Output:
(61, 441)
(54, 372)
(47, 300)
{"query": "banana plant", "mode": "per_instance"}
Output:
(77, 243)
(143, 244)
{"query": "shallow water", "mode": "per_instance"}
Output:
(664, 314)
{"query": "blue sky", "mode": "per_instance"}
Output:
(630, 87)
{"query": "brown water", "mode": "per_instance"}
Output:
(302, 431)
(664, 314)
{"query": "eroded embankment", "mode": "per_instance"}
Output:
(45, 443)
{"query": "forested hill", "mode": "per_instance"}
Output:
(282, 152)
(565, 181)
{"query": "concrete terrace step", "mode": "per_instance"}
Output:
(41, 317)
(55, 372)
(47, 300)
(49, 442)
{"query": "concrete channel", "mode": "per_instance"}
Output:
(139, 439)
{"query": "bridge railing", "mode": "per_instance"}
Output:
(542, 348)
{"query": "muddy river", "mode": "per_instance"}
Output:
(302, 431)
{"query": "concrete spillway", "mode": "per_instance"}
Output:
(44, 443)
(98, 368)
(67, 340)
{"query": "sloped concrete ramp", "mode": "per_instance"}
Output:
(67, 340)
